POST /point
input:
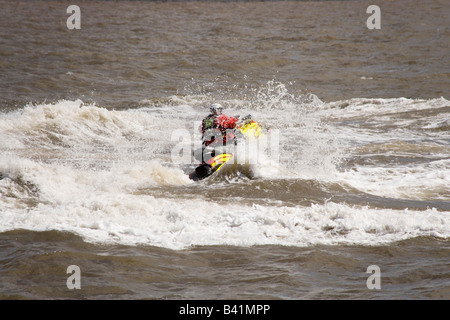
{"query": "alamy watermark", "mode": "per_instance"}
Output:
(374, 21)
(250, 150)
(74, 280)
(74, 20)
(374, 280)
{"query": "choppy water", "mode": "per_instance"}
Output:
(94, 124)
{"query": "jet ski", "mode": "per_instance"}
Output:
(213, 157)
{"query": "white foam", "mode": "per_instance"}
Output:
(429, 181)
(103, 207)
(366, 107)
(177, 224)
(91, 171)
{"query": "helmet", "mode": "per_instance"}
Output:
(216, 108)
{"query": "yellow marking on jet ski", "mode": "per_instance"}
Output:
(220, 160)
(251, 129)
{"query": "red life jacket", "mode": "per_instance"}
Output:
(226, 122)
(221, 122)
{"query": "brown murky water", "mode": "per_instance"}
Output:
(88, 129)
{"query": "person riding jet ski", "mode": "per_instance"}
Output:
(217, 130)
